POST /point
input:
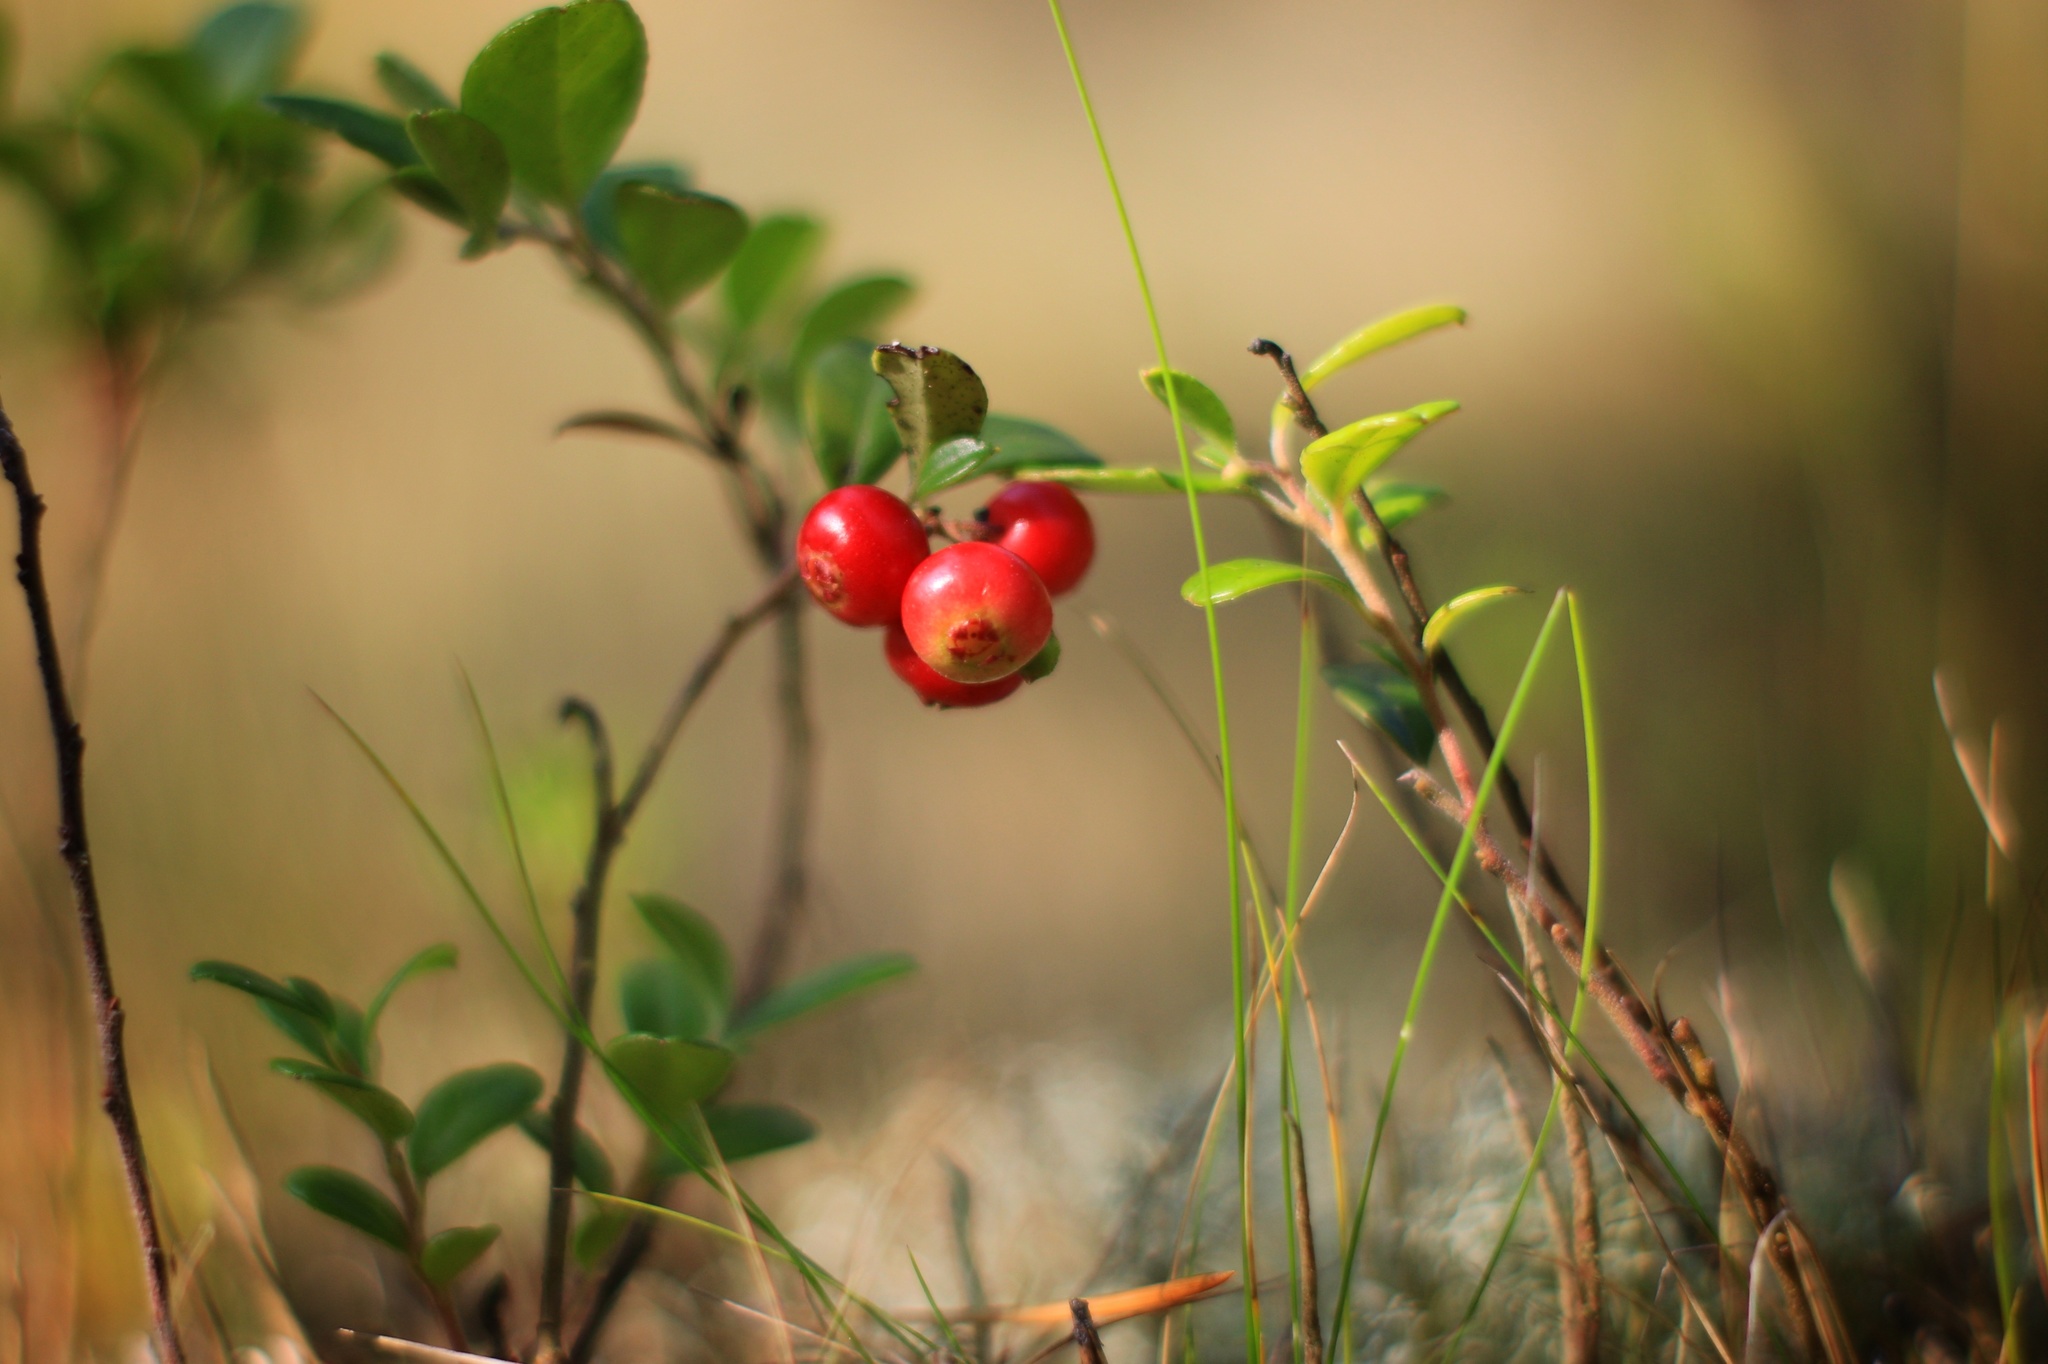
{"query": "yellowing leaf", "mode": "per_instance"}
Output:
(1457, 608)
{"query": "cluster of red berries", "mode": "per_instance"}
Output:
(965, 623)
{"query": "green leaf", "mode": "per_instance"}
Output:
(418, 184)
(464, 1109)
(955, 462)
(379, 1109)
(746, 1130)
(408, 87)
(773, 259)
(1044, 662)
(599, 217)
(852, 309)
(439, 957)
(300, 1027)
(379, 134)
(248, 982)
(1201, 409)
(845, 412)
(245, 49)
(675, 242)
(1397, 502)
(1457, 608)
(671, 1073)
(447, 1253)
(664, 998)
(1140, 480)
(695, 941)
(1377, 336)
(597, 1233)
(469, 161)
(593, 1166)
(1026, 444)
(348, 1198)
(938, 398)
(353, 1044)
(559, 88)
(829, 985)
(1337, 464)
(1385, 697)
(1241, 577)
(312, 998)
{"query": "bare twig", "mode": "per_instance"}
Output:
(1086, 1338)
(69, 741)
(1305, 1248)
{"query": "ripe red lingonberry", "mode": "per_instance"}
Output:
(934, 689)
(856, 550)
(1046, 526)
(976, 612)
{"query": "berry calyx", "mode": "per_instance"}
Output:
(856, 550)
(935, 690)
(1046, 526)
(976, 612)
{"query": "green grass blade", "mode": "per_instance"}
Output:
(945, 1326)
(1254, 1346)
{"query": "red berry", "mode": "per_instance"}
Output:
(856, 550)
(934, 690)
(1046, 526)
(976, 612)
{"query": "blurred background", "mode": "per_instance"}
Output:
(1759, 301)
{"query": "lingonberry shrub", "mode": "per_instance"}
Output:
(1047, 527)
(976, 612)
(856, 550)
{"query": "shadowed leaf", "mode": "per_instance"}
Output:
(245, 49)
(773, 258)
(1384, 697)
(379, 134)
(439, 957)
(408, 87)
(464, 1109)
(664, 998)
(593, 1166)
(675, 241)
(448, 1253)
(957, 461)
(379, 1109)
(469, 161)
(845, 407)
(671, 1073)
(829, 985)
(350, 1199)
(1025, 444)
(695, 941)
(855, 308)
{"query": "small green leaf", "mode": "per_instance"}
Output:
(559, 88)
(1337, 464)
(448, 1253)
(828, 985)
(1044, 662)
(1456, 609)
(741, 1132)
(772, 260)
(248, 982)
(845, 410)
(955, 462)
(1383, 695)
(1241, 577)
(599, 217)
(353, 1045)
(418, 184)
(439, 957)
(938, 398)
(408, 87)
(852, 309)
(1377, 336)
(597, 1233)
(664, 998)
(313, 998)
(1128, 480)
(1397, 502)
(467, 1107)
(675, 242)
(469, 161)
(244, 49)
(671, 1073)
(379, 134)
(300, 1027)
(351, 1199)
(627, 423)
(1201, 409)
(1026, 444)
(379, 1109)
(695, 941)
(593, 1165)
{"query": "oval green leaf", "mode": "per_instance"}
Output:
(378, 1109)
(1201, 409)
(592, 1164)
(695, 941)
(379, 134)
(440, 957)
(675, 241)
(464, 1109)
(670, 1074)
(852, 309)
(773, 259)
(1241, 577)
(408, 87)
(1377, 336)
(955, 462)
(349, 1199)
(469, 161)
(559, 88)
(742, 1131)
(664, 998)
(1459, 607)
(1384, 697)
(845, 409)
(449, 1252)
(829, 985)
(938, 398)
(1025, 444)
(245, 49)
(1339, 463)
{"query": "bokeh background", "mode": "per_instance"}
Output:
(1759, 301)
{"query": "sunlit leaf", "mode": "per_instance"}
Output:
(664, 998)
(464, 1109)
(379, 1109)
(408, 87)
(772, 260)
(829, 985)
(592, 1164)
(246, 48)
(1241, 577)
(675, 242)
(1377, 336)
(379, 134)
(1339, 463)
(671, 1073)
(350, 1199)
(559, 88)
(1113, 480)
(447, 1253)
(1385, 697)
(852, 309)
(1457, 608)
(955, 462)
(1025, 444)
(938, 398)
(742, 1131)
(695, 941)
(439, 957)
(469, 161)
(1200, 409)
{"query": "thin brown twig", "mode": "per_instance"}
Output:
(72, 843)
(1310, 1315)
